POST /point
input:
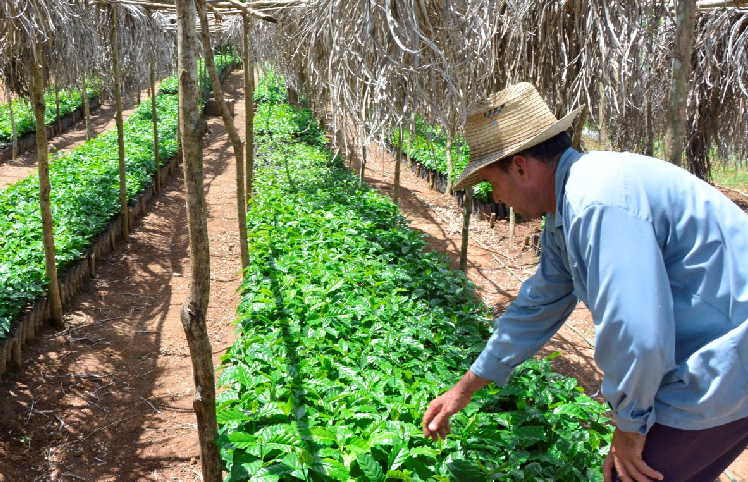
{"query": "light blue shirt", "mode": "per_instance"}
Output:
(661, 260)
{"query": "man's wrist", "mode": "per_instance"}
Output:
(471, 383)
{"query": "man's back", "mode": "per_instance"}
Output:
(614, 205)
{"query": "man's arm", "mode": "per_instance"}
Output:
(542, 305)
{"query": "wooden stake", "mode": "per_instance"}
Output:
(676, 121)
(450, 163)
(362, 173)
(86, 108)
(467, 209)
(398, 161)
(512, 224)
(154, 120)
(195, 308)
(58, 121)
(114, 40)
(13, 130)
(228, 122)
(249, 112)
(50, 265)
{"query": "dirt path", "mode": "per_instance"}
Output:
(109, 397)
(101, 121)
(497, 266)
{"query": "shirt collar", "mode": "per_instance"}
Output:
(567, 159)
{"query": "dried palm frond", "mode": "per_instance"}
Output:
(373, 63)
(24, 24)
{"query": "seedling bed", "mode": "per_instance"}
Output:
(27, 141)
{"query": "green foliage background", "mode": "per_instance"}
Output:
(70, 100)
(427, 145)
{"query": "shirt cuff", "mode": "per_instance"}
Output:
(488, 366)
(637, 421)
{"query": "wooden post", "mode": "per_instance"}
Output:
(249, 112)
(398, 161)
(411, 135)
(228, 122)
(450, 163)
(512, 224)
(650, 137)
(576, 140)
(50, 265)
(676, 121)
(114, 40)
(467, 209)
(362, 172)
(195, 308)
(348, 153)
(154, 120)
(602, 122)
(58, 121)
(13, 130)
(86, 108)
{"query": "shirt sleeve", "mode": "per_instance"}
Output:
(629, 294)
(544, 302)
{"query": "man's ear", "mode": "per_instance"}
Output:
(519, 162)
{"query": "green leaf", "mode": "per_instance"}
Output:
(242, 440)
(370, 467)
(466, 471)
(384, 438)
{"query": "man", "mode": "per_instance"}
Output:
(661, 260)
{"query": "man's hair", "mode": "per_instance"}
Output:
(547, 151)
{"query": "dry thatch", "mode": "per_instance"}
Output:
(374, 63)
(73, 37)
(48, 24)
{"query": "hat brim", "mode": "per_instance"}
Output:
(470, 174)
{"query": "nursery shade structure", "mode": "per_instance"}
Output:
(367, 65)
(373, 65)
(136, 43)
(351, 58)
(34, 36)
(190, 18)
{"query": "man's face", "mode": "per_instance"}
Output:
(519, 186)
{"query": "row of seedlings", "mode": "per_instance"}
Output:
(17, 124)
(85, 204)
(348, 328)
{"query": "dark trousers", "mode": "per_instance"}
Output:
(695, 455)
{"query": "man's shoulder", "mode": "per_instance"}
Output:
(596, 178)
(617, 179)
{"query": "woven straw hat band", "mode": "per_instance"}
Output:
(510, 121)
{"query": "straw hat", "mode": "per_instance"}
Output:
(509, 122)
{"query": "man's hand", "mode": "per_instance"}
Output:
(626, 457)
(436, 418)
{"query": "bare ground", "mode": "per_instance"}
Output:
(497, 265)
(110, 396)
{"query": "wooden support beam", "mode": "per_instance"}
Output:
(708, 4)
(195, 307)
(249, 112)
(227, 7)
(117, 74)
